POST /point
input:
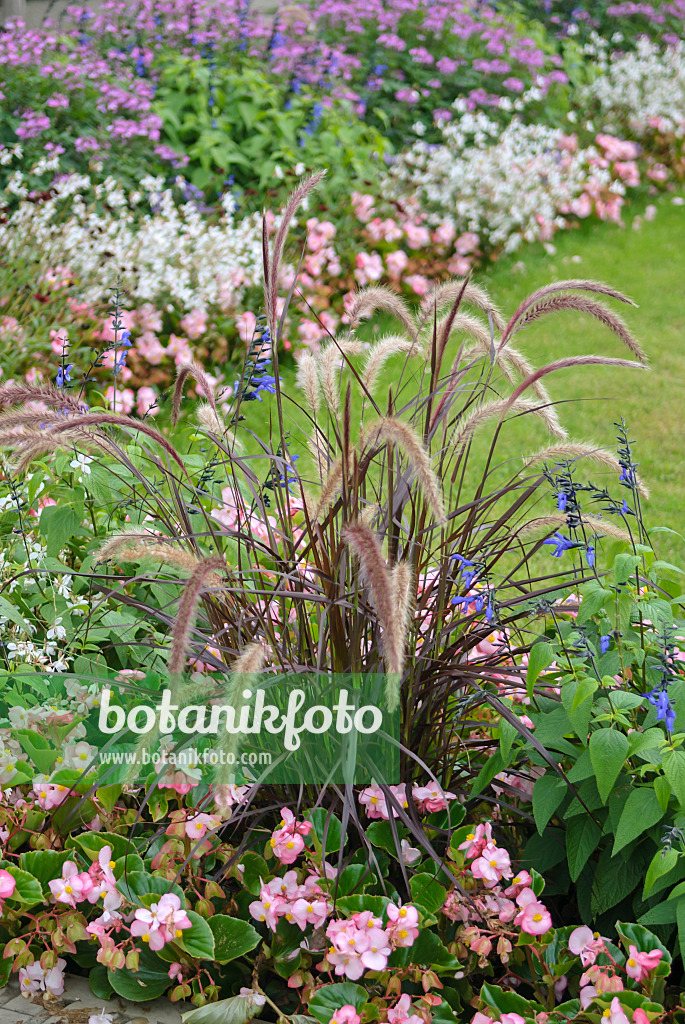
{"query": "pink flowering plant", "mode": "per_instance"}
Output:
(136, 556)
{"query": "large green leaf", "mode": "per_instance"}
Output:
(28, 890)
(541, 657)
(232, 937)
(328, 824)
(428, 892)
(503, 1000)
(236, 1010)
(662, 862)
(330, 998)
(608, 753)
(150, 981)
(138, 884)
(45, 865)
(58, 523)
(198, 940)
(642, 938)
(673, 765)
(582, 838)
(641, 812)
(548, 793)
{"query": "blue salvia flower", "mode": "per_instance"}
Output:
(561, 544)
(590, 555)
(658, 697)
(604, 643)
(124, 340)
(468, 570)
(63, 375)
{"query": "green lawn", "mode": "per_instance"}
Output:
(649, 266)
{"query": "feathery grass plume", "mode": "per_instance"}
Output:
(402, 579)
(553, 522)
(563, 286)
(448, 292)
(247, 665)
(566, 363)
(559, 453)
(368, 300)
(514, 363)
(387, 597)
(379, 354)
(59, 426)
(318, 507)
(208, 418)
(203, 576)
(99, 419)
(19, 392)
(496, 409)
(307, 380)
(186, 370)
(581, 304)
(304, 188)
(134, 545)
(330, 364)
(412, 447)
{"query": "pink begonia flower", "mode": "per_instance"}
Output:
(638, 965)
(369, 267)
(475, 842)
(409, 853)
(482, 1018)
(616, 1013)
(403, 923)
(418, 236)
(35, 979)
(345, 1015)
(602, 979)
(459, 265)
(400, 1014)
(162, 923)
(586, 944)
(444, 233)
(146, 402)
(492, 865)
(69, 888)
(466, 243)
(375, 956)
(268, 908)
(50, 795)
(418, 283)
(640, 1017)
(286, 841)
(534, 918)
(396, 263)
(519, 882)
(110, 916)
(197, 827)
(363, 206)
(431, 798)
(101, 873)
(372, 800)
(194, 323)
(120, 400)
(228, 795)
(149, 318)
(7, 884)
(150, 348)
(180, 349)
(512, 1018)
(312, 912)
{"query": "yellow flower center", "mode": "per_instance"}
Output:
(402, 933)
(67, 888)
(403, 912)
(537, 917)
(179, 933)
(470, 836)
(289, 845)
(145, 938)
(631, 962)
